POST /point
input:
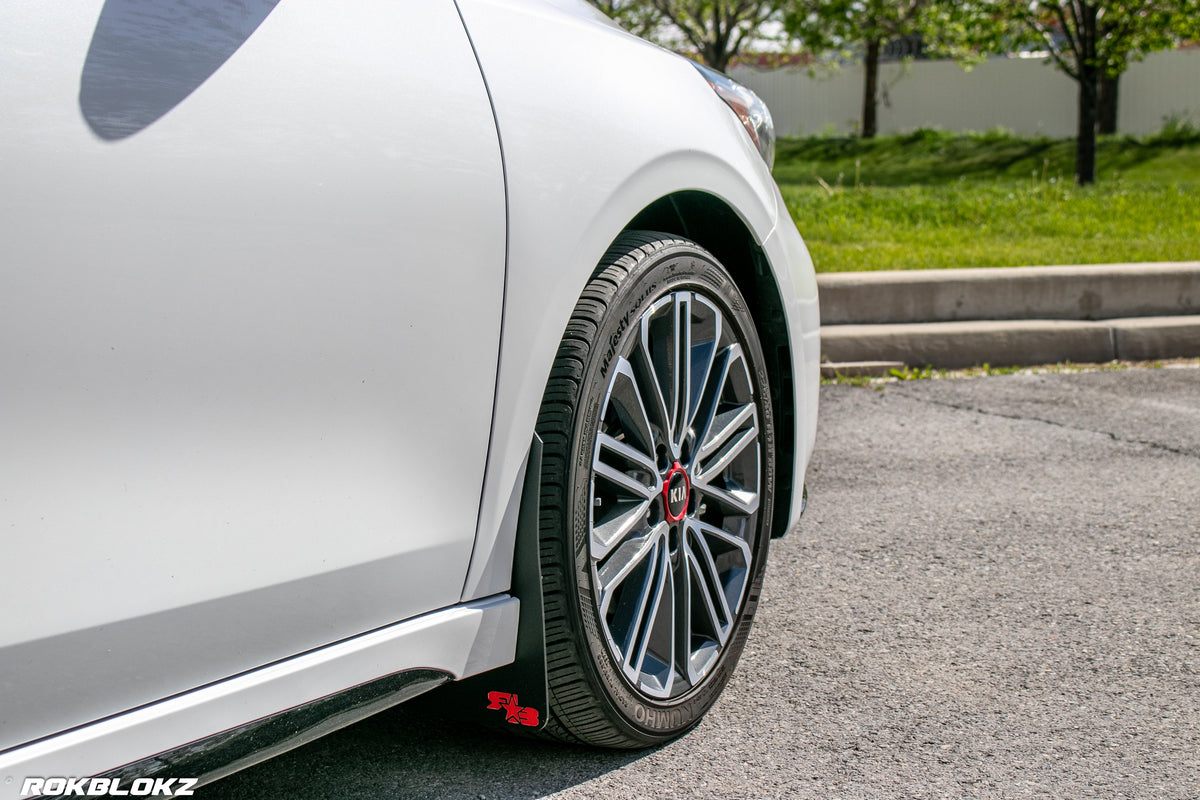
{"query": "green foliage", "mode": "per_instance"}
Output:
(1177, 130)
(713, 30)
(849, 380)
(639, 17)
(911, 373)
(836, 24)
(1103, 35)
(935, 200)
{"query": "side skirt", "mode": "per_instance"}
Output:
(243, 718)
(246, 745)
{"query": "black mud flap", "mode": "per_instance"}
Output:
(781, 531)
(515, 697)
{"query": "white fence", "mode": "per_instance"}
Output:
(1024, 95)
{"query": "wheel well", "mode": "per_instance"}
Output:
(713, 225)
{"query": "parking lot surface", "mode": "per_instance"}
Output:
(995, 593)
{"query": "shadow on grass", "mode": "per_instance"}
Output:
(937, 158)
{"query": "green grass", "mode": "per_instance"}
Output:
(935, 200)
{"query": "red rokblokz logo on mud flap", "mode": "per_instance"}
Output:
(514, 713)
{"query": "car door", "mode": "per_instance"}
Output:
(251, 271)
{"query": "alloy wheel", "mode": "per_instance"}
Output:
(674, 495)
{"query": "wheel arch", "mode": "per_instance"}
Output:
(715, 226)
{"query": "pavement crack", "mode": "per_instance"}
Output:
(1054, 423)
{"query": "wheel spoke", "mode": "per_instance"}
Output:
(732, 540)
(683, 368)
(655, 364)
(726, 364)
(622, 480)
(630, 454)
(629, 487)
(624, 402)
(705, 583)
(704, 349)
(729, 579)
(626, 624)
(653, 661)
(727, 441)
(729, 437)
(696, 626)
(632, 553)
(616, 527)
(736, 499)
(641, 627)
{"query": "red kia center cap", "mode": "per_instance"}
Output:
(676, 490)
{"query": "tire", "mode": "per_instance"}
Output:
(653, 526)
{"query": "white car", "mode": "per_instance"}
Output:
(313, 314)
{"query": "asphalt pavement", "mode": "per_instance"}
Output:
(995, 593)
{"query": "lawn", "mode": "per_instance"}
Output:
(934, 200)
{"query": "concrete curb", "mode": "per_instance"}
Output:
(952, 345)
(1012, 316)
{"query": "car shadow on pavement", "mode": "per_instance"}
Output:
(417, 752)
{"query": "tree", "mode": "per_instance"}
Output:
(1097, 40)
(1158, 29)
(638, 17)
(832, 24)
(716, 30)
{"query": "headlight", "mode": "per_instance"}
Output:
(748, 106)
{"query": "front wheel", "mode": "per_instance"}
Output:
(656, 494)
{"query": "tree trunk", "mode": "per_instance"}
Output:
(717, 55)
(1085, 144)
(719, 43)
(870, 89)
(1089, 79)
(1107, 111)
